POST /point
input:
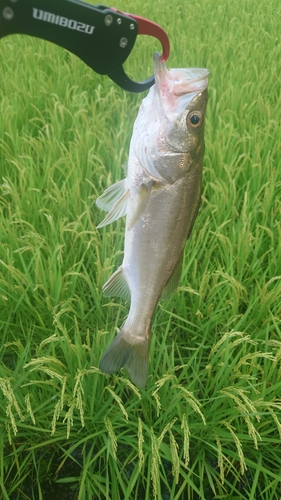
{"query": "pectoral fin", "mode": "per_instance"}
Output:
(173, 282)
(110, 196)
(143, 196)
(117, 286)
(194, 217)
(114, 201)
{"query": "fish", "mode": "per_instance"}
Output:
(160, 197)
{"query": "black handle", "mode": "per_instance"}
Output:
(101, 37)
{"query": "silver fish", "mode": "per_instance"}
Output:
(160, 197)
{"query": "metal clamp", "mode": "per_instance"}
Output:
(102, 37)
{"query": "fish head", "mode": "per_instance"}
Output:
(181, 97)
(172, 121)
(184, 133)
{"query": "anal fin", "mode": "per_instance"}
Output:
(117, 286)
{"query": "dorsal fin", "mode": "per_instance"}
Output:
(173, 282)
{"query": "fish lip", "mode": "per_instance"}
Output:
(184, 79)
(160, 71)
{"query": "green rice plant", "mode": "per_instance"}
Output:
(208, 424)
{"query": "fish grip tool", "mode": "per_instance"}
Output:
(100, 36)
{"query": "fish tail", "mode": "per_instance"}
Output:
(129, 351)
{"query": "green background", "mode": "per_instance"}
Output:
(207, 426)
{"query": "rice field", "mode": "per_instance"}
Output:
(208, 424)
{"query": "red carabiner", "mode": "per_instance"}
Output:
(147, 27)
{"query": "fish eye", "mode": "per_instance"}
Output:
(194, 119)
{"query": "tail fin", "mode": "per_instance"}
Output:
(129, 351)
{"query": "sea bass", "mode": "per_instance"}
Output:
(160, 198)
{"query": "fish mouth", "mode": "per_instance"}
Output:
(183, 80)
(177, 87)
